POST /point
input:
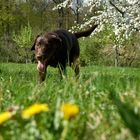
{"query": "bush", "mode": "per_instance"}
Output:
(23, 41)
(90, 51)
(99, 50)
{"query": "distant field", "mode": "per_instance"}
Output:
(99, 117)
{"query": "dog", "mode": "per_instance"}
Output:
(58, 48)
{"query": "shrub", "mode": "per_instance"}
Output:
(23, 41)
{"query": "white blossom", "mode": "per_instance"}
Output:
(124, 16)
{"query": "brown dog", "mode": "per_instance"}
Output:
(58, 48)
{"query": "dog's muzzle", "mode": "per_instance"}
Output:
(41, 66)
(39, 57)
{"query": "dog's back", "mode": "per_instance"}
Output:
(69, 44)
(68, 39)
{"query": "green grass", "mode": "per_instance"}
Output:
(99, 116)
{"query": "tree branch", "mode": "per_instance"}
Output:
(55, 1)
(120, 11)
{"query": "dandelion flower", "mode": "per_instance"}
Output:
(69, 110)
(5, 116)
(34, 109)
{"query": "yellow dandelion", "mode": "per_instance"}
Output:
(33, 110)
(5, 116)
(69, 110)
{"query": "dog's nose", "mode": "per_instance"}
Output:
(39, 57)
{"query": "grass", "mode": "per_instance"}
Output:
(99, 116)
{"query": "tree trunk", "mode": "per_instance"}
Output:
(61, 17)
(67, 18)
(116, 56)
(77, 12)
(60, 13)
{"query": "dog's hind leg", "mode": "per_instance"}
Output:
(76, 67)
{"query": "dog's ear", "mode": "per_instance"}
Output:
(56, 37)
(33, 46)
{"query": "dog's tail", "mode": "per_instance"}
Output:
(85, 33)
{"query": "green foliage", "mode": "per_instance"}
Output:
(129, 116)
(6, 13)
(100, 50)
(98, 119)
(24, 41)
(24, 38)
(91, 48)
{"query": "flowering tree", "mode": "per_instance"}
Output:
(122, 16)
(73, 5)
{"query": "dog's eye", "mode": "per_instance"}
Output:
(38, 43)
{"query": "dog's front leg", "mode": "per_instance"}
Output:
(42, 75)
(62, 70)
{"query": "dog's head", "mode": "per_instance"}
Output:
(45, 46)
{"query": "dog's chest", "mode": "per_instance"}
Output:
(55, 61)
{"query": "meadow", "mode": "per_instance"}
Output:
(108, 100)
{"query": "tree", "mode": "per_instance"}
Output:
(122, 15)
(68, 6)
(6, 19)
(60, 12)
